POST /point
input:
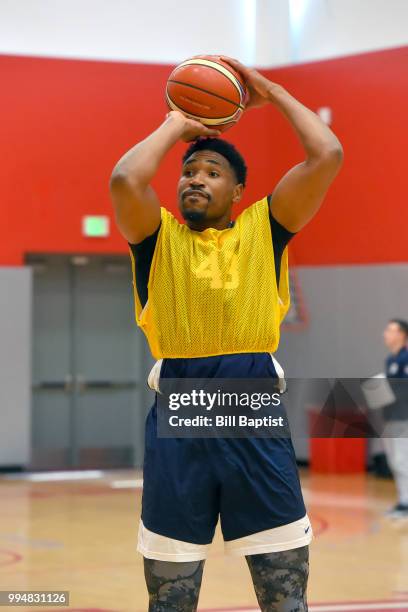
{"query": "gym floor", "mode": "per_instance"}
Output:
(80, 536)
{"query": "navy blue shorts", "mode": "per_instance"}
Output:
(252, 484)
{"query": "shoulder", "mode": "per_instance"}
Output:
(146, 246)
(279, 233)
(404, 361)
(261, 210)
(255, 213)
(171, 226)
(259, 214)
(140, 247)
(260, 207)
(402, 356)
(397, 365)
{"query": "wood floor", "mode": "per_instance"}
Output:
(81, 536)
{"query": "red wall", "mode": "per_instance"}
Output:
(64, 124)
(365, 216)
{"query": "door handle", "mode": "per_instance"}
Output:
(80, 383)
(83, 384)
(55, 385)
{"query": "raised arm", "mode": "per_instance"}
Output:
(136, 205)
(300, 193)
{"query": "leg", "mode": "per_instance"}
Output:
(400, 468)
(173, 586)
(396, 448)
(280, 579)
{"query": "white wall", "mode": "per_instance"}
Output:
(15, 365)
(259, 32)
(143, 30)
(322, 29)
(349, 307)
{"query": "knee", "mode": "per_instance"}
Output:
(400, 465)
(173, 586)
(280, 579)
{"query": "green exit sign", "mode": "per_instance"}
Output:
(95, 226)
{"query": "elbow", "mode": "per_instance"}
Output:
(123, 180)
(331, 156)
(118, 178)
(334, 153)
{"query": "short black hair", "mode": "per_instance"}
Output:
(224, 148)
(403, 325)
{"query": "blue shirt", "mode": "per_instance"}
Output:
(396, 368)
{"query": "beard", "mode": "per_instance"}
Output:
(194, 215)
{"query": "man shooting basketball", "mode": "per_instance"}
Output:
(210, 295)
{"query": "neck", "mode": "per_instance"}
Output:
(219, 224)
(397, 347)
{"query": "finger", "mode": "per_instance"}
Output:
(205, 55)
(230, 60)
(210, 132)
(235, 64)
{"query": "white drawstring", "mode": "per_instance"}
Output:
(280, 373)
(154, 376)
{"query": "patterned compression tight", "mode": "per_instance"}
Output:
(280, 582)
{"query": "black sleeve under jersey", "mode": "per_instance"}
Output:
(143, 253)
(280, 239)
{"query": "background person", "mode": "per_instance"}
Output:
(395, 434)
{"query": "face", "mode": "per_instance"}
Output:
(207, 188)
(393, 335)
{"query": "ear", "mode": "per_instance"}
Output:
(237, 193)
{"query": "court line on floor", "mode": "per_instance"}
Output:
(375, 605)
(334, 607)
(321, 607)
(322, 523)
(57, 476)
(127, 484)
(13, 557)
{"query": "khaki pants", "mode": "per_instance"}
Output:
(395, 438)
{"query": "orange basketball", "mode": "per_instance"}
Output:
(208, 90)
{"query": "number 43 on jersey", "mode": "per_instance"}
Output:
(210, 268)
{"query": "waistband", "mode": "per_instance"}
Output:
(153, 378)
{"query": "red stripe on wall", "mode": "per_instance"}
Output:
(64, 124)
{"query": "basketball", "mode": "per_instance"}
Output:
(208, 90)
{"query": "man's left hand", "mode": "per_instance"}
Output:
(259, 87)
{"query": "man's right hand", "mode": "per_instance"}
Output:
(136, 205)
(191, 129)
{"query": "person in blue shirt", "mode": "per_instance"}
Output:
(395, 435)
